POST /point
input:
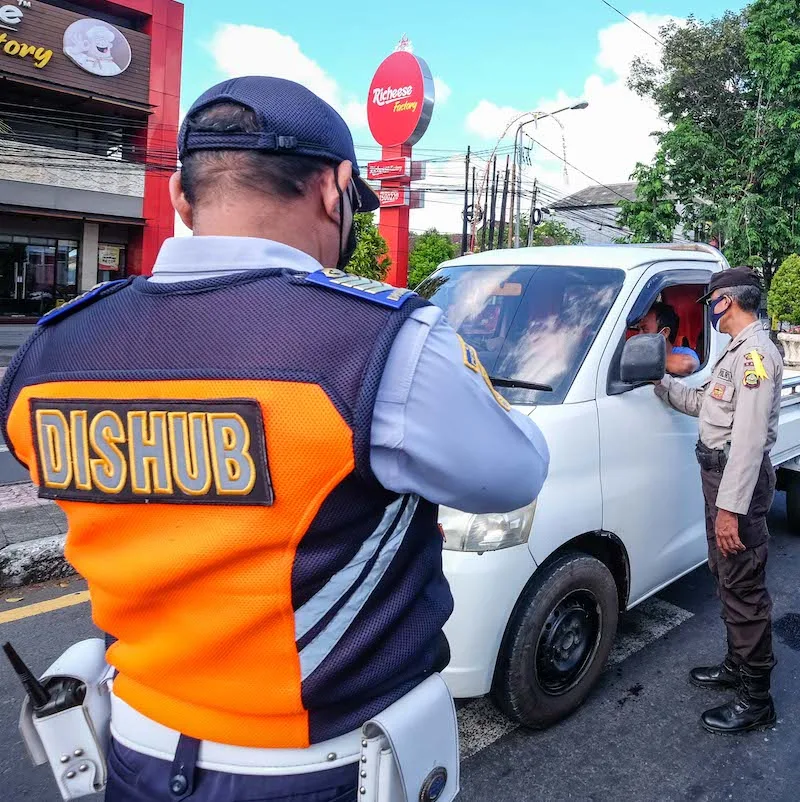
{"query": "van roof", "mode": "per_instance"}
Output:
(624, 257)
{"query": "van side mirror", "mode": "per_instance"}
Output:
(644, 359)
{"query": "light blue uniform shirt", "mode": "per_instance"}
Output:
(437, 431)
(683, 351)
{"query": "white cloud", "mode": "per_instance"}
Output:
(442, 209)
(443, 91)
(488, 120)
(622, 42)
(355, 113)
(605, 140)
(251, 50)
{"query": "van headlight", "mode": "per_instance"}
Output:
(466, 531)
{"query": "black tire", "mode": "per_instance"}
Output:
(557, 642)
(793, 501)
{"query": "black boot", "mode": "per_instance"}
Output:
(752, 709)
(725, 675)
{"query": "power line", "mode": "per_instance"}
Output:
(582, 172)
(632, 22)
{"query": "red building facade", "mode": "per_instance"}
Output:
(89, 110)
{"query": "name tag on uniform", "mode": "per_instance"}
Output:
(167, 452)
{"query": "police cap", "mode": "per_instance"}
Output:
(293, 121)
(733, 277)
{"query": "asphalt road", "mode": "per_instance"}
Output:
(11, 471)
(637, 739)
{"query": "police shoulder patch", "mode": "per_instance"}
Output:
(751, 379)
(473, 362)
(85, 299)
(377, 292)
(470, 356)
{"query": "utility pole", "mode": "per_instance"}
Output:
(533, 210)
(466, 203)
(495, 179)
(486, 209)
(518, 222)
(474, 211)
(501, 230)
(513, 194)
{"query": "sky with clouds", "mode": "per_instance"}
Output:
(490, 62)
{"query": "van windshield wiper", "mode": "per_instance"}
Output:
(521, 385)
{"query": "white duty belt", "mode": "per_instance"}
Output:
(407, 752)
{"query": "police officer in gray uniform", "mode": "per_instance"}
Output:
(738, 411)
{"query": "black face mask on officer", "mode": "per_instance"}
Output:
(347, 248)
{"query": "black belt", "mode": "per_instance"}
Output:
(710, 459)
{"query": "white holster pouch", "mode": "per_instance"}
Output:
(73, 741)
(409, 752)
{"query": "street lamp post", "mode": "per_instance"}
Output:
(518, 154)
(580, 105)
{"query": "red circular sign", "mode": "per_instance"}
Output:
(400, 101)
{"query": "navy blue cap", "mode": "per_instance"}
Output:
(732, 277)
(293, 121)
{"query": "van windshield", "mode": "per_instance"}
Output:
(529, 324)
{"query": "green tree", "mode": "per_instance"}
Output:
(428, 252)
(783, 300)
(551, 232)
(730, 91)
(653, 216)
(371, 257)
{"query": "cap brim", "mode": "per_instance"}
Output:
(702, 299)
(369, 200)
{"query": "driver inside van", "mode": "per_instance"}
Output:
(663, 319)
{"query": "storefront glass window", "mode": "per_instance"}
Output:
(36, 274)
(67, 270)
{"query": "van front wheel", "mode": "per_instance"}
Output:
(558, 642)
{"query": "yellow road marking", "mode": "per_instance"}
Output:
(69, 600)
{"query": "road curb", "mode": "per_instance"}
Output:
(34, 561)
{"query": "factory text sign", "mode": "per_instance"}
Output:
(389, 169)
(59, 47)
(400, 101)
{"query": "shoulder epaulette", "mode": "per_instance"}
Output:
(378, 292)
(85, 299)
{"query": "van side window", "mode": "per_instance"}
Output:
(692, 318)
(677, 301)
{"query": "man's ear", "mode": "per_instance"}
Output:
(334, 184)
(178, 198)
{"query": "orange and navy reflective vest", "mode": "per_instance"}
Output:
(209, 442)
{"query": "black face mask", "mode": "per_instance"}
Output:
(346, 252)
(348, 248)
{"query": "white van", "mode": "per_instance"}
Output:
(538, 591)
